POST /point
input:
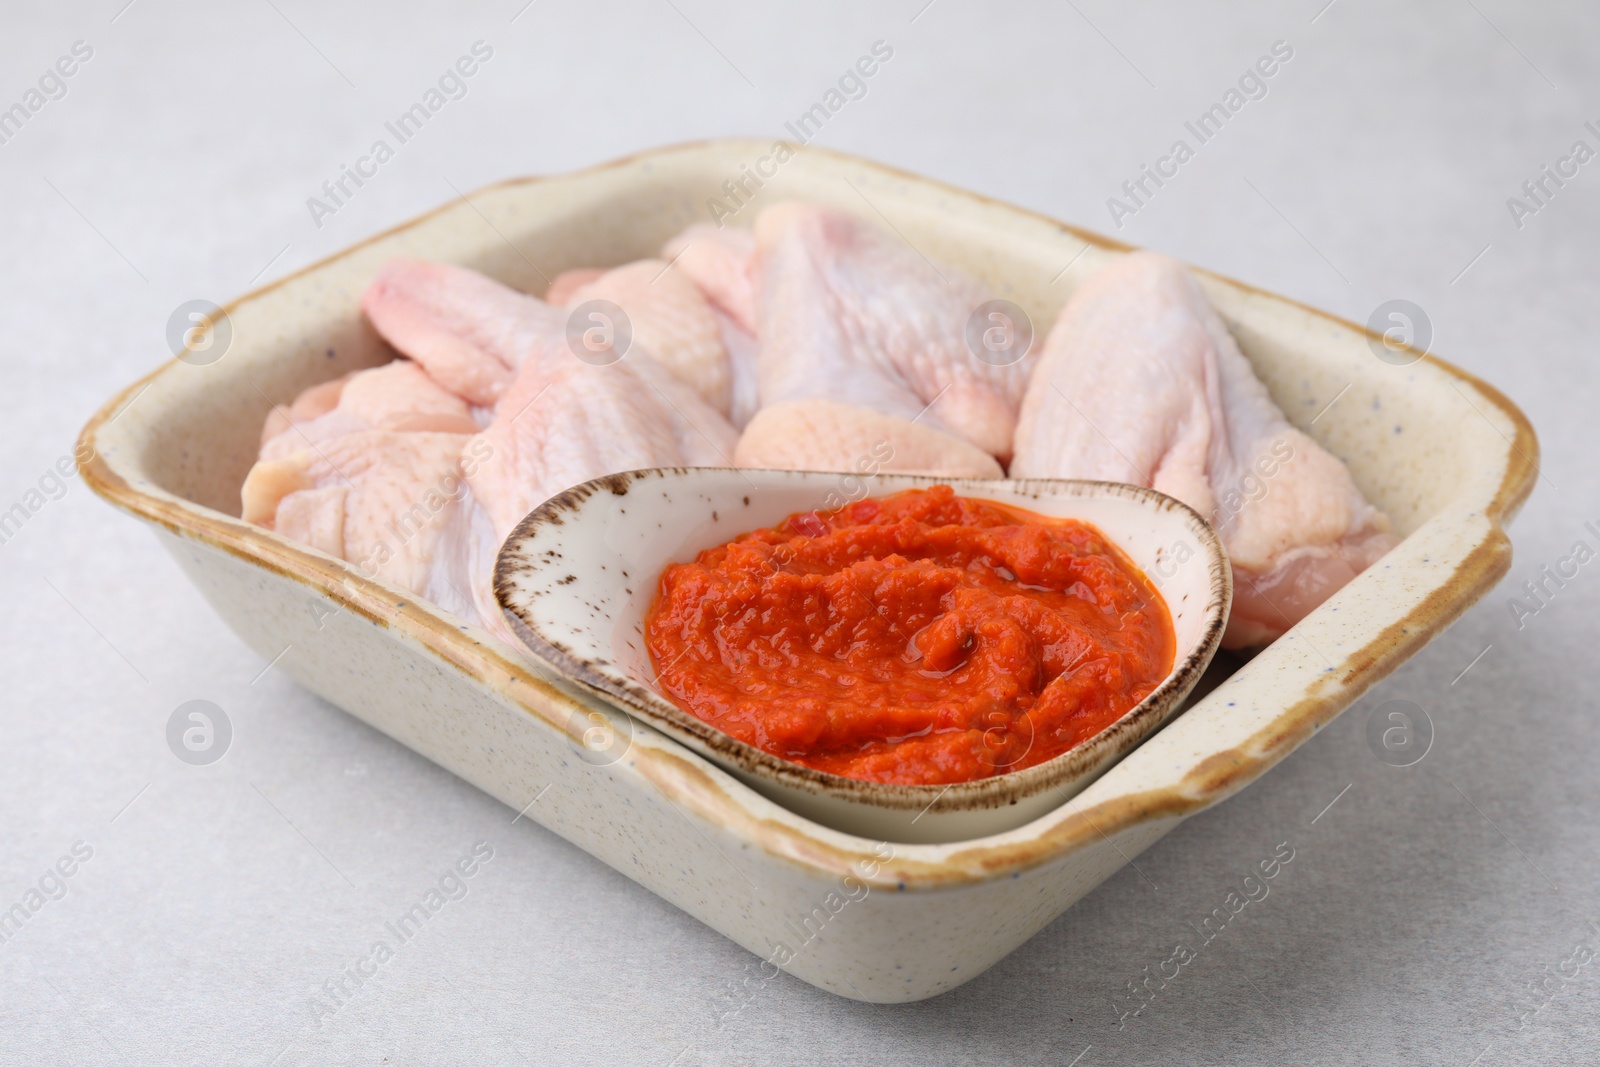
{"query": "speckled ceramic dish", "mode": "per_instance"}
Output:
(577, 576)
(1446, 456)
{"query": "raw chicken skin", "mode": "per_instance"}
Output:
(314, 402)
(373, 482)
(555, 430)
(744, 385)
(559, 421)
(1140, 381)
(568, 282)
(379, 498)
(722, 264)
(672, 320)
(395, 396)
(546, 438)
(829, 436)
(848, 313)
(469, 332)
(835, 393)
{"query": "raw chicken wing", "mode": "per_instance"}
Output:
(1140, 381)
(849, 313)
(395, 396)
(818, 434)
(378, 498)
(671, 320)
(469, 332)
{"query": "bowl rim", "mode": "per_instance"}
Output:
(1074, 766)
(703, 791)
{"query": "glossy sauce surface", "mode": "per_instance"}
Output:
(922, 638)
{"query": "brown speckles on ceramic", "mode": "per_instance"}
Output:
(173, 448)
(592, 630)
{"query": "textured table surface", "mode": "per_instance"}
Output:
(1442, 913)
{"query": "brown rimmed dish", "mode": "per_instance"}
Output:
(1446, 455)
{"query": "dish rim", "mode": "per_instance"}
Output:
(721, 800)
(1096, 753)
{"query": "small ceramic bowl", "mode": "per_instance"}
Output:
(578, 575)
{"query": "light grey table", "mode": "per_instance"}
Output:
(1433, 914)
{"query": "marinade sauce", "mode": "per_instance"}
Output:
(923, 638)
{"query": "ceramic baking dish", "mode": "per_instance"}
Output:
(1447, 456)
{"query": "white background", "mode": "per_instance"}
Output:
(1417, 908)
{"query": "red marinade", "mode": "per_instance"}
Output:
(923, 638)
